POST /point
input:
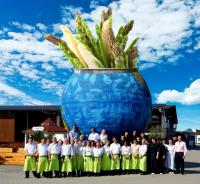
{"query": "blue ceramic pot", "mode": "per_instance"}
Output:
(114, 99)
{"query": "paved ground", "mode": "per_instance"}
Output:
(14, 175)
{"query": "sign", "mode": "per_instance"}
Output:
(38, 128)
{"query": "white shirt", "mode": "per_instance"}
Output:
(94, 137)
(171, 148)
(135, 148)
(88, 151)
(103, 138)
(76, 148)
(30, 148)
(97, 152)
(42, 149)
(67, 150)
(126, 150)
(82, 149)
(143, 149)
(180, 146)
(106, 149)
(115, 148)
(54, 149)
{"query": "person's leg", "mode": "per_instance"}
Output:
(182, 163)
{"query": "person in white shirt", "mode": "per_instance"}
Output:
(75, 158)
(143, 157)
(43, 163)
(54, 151)
(74, 133)
(170, 156)
(88, 159)
(180, 153)
(125, 163)
(30, 159)
(80, 158)
(135, 156)
(67, 153)
(97, 154)
(115, 151)
(93, 136)
(105, 163)
(103, 136)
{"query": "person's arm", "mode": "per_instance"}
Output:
(26, 150)
(185, 150)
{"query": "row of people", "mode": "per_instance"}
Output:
(75, 158)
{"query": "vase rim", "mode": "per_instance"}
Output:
(105, 70)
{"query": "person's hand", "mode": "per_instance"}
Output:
(163, 157)
(157, 157)
(183, 156)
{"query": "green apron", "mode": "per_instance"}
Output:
(125, 162)
(97, 165)
(88, 164)
(115, 163)
(67, 164)
(105, 163)
(43, 164)
(30, 163)
(143, 163)
(54, 163)
(134, 162)
(80, 162)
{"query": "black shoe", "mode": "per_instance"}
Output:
(38, 175)
(26, 174)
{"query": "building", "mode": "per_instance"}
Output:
(15, 119)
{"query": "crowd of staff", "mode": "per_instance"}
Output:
(77, 155)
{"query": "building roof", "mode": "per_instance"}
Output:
(31, 107)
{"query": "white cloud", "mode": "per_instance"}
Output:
(41, 26)
(22, 26)
(189, 96)
(23, 98)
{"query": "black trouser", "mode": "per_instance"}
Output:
(179, 161)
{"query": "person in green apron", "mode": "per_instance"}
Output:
(80, 165)
(125, 161)
(88, 159)
(135, 156)
(43, 163)
(54, 151)
(143, 157)
(67, 154)
(76, 164)
(115, 151)
(97, 155)
(30, 159)
(105, 164)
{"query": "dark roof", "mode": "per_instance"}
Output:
(31, 107)
(162, 106)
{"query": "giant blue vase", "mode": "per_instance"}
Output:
(115, 99)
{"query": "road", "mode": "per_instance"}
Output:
(15, 175)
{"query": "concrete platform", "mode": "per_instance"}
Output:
(15, 175)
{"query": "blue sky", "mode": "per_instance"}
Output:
(33, 71)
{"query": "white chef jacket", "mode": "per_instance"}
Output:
(97, 152)
(115, 148)
(94, 137)
(30, 148)
(82, 150)
(126, 150)
(42, 149)
(106, 149)
(67, 150)
(88, 151)
(135, 148)
(54, 149)
(103, 138)
(143, 149)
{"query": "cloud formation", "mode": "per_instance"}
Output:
(189, 96)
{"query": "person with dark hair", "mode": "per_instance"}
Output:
(93, 136)
(152, 154)
(122, 139)
(180, 153)
(103, 136)
(43, 163)
(125, 158)
(105, 164)
(30, 159)
(115, 151)
(135, 156)
(134, 135)
(127, 137)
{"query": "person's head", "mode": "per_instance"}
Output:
(122, 137)
(134, 133)
(163, 141)
(88, 143)
(48, 141)
(125, 143)
(92, 130)
(98, 145)
(174, 138)
(65, 141)
(135, 141)
(143, 141)
(114, 139)
(54, 140)
(80, 142)
(179, 138)
(142, 135)
(126, 134)
(103, 131)
(107, 143)
(76, 141)
(30, 140)
(153, 140)
(60, 142)
(170, 142)
(92, 144)
(42, 141)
